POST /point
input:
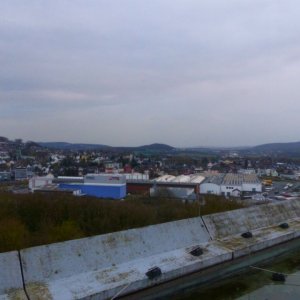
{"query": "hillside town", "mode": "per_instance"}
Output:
(174, 172)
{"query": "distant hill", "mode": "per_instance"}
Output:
(293, 147)
(156, 147)
(217, 148)
(70, 146)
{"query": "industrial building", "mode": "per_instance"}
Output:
(99, 185)
(111, 186)
(38, 182)
(136, 176)
(185, 186)
(231, 184)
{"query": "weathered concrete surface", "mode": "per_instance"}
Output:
(11, 284)
(107, 282)
(206, 277)
(230, 223)
(262, 238)
(226, 228)
(100, 266)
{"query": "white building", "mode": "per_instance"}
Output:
(231, 184)
(246, 171)
(37, 182)
(136, 176)
(178, 192)
(212, 185)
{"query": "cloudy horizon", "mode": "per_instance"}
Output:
(129, 73)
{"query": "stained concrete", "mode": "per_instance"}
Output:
(11, 283)
(100, 267)
(263, 220)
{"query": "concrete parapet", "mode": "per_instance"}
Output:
(104, 266)
(229, 223)
(11, 283)
(87, 267)
(127, 277)
(262, 238)
(262, 221)
(234, 222)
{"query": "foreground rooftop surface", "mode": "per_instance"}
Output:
(102, 267)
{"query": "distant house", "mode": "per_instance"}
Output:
(20, 173)
(5, 176)
(23, 173)
(236, 193)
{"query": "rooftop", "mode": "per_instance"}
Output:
(239, 179)
(232, 179)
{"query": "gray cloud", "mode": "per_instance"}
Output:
(133, 72)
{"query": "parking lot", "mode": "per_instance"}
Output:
(282, 190)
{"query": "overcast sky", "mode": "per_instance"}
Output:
(133, 72)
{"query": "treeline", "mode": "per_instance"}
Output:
(36, 219)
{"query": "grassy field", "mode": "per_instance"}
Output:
(36, 219)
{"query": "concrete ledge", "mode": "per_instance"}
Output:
(106, 283)
(235, 222)
(205, 278)
(102, 266)
(73, 269)
(263, 221)
(11, 283)
(262, 239)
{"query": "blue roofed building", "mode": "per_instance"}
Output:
(112, 186)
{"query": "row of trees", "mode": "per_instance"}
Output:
(35, 219)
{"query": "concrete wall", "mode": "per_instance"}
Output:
(233, 222)
(99, 267)
(212, 188)
(11, 283)
(226, 190)
(106, 262)
(249, 187)
(229, 223)
(104, 250)
(226, 228)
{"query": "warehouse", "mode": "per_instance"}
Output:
(112, 186)
(38, 182)
(184, 186)
(212, 185)
(231, 184)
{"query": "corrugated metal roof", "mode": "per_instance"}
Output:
(165, 178)
(215, 179)
(239, 179)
